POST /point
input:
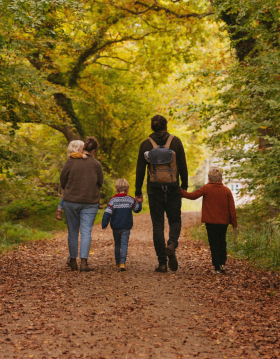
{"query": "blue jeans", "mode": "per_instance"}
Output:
(121, 237)
(60, 206)
(79, 215)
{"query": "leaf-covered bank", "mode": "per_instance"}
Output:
(257, 239)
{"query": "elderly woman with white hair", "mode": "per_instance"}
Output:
(81, 181)
(73, 148)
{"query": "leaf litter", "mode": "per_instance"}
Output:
(47, 311)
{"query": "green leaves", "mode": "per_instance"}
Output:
(245, 111)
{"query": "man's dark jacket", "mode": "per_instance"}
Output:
(176, 145)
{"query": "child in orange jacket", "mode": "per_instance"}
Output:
(218, 211)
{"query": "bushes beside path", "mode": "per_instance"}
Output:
(257, 239)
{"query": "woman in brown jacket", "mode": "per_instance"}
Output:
(81, 181)
(218, 211)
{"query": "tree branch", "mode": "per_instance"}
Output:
(111, 67)
(166, 10)
(116, 57)
(94, 49)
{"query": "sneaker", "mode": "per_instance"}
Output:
(170, 252)
(122, 267)
(222, 268)
(217, 271)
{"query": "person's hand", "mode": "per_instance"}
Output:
(84, 156)
(234, 228)
(104, 229)
(139, 198)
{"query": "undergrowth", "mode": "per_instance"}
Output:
(257, 238)
(29, 220)
(12, 235)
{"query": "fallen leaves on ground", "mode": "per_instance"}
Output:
(47, 311)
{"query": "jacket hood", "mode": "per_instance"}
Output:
(160, 137)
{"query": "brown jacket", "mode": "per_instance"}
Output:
(217, 205)
(82, 180)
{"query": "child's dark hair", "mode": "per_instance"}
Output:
(158, 123)
(91, 144)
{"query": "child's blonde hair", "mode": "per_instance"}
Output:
(215, 175)
(122, 185)
(74, 146)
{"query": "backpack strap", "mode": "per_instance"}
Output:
(153, 143)
(168, 142)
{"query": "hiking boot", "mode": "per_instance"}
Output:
(117, 265)
(58, 214)
(122, 267)
(73, 263)
(68, 261)
(162, 268)
(84, 266)
(170, 252)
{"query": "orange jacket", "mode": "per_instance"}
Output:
(217, 205)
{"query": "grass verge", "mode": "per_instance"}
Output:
(258, 242)
(13, 235)
(25, 220)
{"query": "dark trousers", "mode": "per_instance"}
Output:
(170, 203)
(218, 245)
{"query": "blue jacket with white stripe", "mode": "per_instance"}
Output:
(119, 211)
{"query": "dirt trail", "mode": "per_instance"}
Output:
(47, 311)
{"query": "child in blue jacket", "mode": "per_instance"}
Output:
(119, 213)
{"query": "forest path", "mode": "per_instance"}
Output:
(47, 311)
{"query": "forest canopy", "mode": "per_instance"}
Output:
(69, 69)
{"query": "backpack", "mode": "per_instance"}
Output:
(162, 165)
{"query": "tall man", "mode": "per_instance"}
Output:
(163, 199)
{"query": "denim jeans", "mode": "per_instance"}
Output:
(60, 206)
(171, 205)
(121, 237)
(79, 215)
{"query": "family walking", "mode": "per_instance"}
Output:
(163, 156)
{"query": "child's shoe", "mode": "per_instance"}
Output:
(217, 270)
(122, 267)
(58, 214)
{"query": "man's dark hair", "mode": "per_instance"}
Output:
(158, 123)
(91, 144)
